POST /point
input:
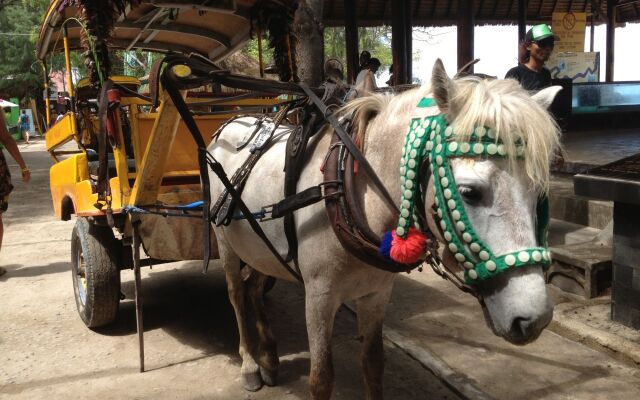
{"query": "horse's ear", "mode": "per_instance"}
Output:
(442, 86)
(545, 96)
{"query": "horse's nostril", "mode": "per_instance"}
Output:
(521, 327)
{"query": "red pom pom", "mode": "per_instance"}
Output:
(408, 250)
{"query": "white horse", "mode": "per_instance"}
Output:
(500, 200)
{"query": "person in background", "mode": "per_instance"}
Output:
(5, 177)
(368, 74)
(365, 56)
(24, 126)
(535, 50)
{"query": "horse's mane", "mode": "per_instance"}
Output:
(500, 105)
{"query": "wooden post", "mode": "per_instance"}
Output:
(408, 36)
(399, 11)
(522, 20)
(611, 38)
(592, 32)
(351, 38)
(465, 33)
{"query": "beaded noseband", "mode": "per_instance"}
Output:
(432, 137)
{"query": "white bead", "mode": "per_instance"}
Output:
(433, 124)
(460, 225)
(412, 163)
(411, 174)
(429, 145)
(523, 256)
(442, 172)
(448, 131)
(420, 132)
(453, 146)
(456, 215)
(408, 194)
(439, 160)
(520, 150)
(491, 133)
(460, 257)
(452, 204)
(417, 143)
(438, 148)
(413, 153)
(465, 147)
(443, 225)
(432, 135)
(492, 149)
(409, 184)
(480, 131)
(453, 248)
(404, 213)
(438, 139)
(467, 237)
(484, 256)
(438, 128)
(510, 260)
(447, 236)
(402, 222)
(468, 265)
(491, 266)
(407, 203)
(447, 194)
(475, 247)
(478, 148)
(403, 170)
(440, 215)
(501, 150)
(444, 182)
(412, 137)
(400, 231)
(473, 274)
(537, 256)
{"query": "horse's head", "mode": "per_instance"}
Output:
(487, 194)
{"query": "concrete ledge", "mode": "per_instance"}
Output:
(617, 346)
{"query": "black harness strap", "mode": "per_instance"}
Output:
(351, 146)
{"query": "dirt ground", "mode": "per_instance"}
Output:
(190, 336)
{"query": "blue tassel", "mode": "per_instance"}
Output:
(385, 246)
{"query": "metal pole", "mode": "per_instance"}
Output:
(46, 94)
(138, 290)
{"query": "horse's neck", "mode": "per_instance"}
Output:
(383, 149)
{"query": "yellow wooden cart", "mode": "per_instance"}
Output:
(147, 158)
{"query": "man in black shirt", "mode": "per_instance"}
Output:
(536, 49)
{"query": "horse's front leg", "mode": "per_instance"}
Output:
(250, 370)
(320, 309)
(371, 310)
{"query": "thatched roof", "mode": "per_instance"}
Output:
(445, 12)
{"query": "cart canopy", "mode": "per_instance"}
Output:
(211, 28)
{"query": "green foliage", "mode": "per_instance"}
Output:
(376, 40)
(20, 72)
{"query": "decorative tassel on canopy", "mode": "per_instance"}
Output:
(276, 18)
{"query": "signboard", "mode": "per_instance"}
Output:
(570, 28)
(579, 67)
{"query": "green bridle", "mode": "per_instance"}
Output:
(432, 136)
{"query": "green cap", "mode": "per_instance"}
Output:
(539, 32)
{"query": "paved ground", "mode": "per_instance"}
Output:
(191, 340)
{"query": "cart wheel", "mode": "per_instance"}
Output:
(95, 255)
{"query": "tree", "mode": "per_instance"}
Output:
(20, 74)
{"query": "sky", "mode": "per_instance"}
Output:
(496, 46)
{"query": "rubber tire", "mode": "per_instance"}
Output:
(102, 253)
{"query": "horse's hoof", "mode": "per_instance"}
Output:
(252, 381)
(269, 377)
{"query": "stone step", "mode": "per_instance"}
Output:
(566, 206)
(563, 232)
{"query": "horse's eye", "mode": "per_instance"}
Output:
(470, 195)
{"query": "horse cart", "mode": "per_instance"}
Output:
(125, 163)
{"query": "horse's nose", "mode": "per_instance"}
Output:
(525, 329)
